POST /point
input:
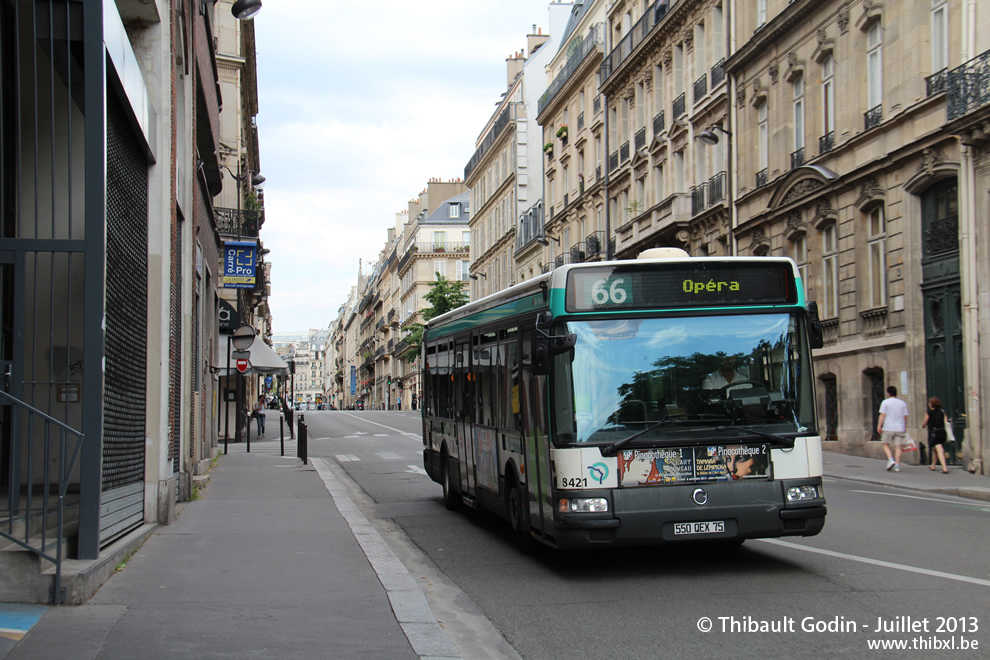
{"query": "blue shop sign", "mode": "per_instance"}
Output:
(239, 259)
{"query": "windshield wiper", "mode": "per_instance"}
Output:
(612, 449)
(785, 442)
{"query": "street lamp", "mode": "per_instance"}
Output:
(542, 240)
(255, 178)
(709, 137)
(245, 9)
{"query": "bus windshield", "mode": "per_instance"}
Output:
(684, 380)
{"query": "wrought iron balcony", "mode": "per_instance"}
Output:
(716, 189)
(590, 45)
(658, 124)
(797, 158)
(873, 117)
(613, 160)
(761, 178)
(826, 143)
(578, 253)
(653, 15)
(678, 109)
(580, 121)
(698, 195)
(969, 86)
(596, 104)
(936, 82)
(593, 243)
(624, 152)
(700, 87)
(640, 138)
(245, 226)
(718, 73)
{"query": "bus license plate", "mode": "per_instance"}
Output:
(713, 527)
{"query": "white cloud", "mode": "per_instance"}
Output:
(359, 107)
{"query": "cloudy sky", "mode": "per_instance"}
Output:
(361, 103)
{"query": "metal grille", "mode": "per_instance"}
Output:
(831, 407)
(126, 304)
(175, 347)
(877, 392)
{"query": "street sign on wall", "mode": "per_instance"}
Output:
(239, 259)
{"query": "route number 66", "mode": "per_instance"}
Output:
(603, 292)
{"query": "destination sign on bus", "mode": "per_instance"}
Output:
(680, 284)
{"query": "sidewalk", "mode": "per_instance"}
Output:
(275, 560)
(958, 482)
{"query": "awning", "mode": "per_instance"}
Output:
(263, 359)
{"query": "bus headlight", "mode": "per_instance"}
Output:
(583, 505)
(802, 493)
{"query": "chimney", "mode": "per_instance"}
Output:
(536, 39)
(514, 66)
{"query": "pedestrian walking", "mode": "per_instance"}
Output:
(892, 427)
(935, 421)
(259, 414)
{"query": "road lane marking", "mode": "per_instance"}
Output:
(415, 469)
(389, 455)
(346, 458)
(365, 420)
(879, 562)
(918, 497)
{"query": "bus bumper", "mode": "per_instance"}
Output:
(648, 515)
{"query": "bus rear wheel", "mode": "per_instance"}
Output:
(450, 499)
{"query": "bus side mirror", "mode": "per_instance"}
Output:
(816, 336)
(546, 346)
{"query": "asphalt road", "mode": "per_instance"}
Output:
(895, 567)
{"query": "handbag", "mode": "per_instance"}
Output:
(949, 435)
(909, 444)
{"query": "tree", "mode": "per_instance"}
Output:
(414, 339)
(444, 296)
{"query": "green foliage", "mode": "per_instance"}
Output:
(444, 296)
(415, 341)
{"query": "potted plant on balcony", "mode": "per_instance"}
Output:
(562, 131)
(548, 148)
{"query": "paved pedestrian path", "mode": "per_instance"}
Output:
(276, 560)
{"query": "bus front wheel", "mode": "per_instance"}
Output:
(517, 520)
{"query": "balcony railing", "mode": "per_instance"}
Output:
(653, 15)
(246, 226)
(700, 87)
(567, 199)
(624, 152)
(489, 140)
(593, 243)
(716, 189)
(441, 246)
(797, 158)
(761, 178)
(613, 160)
(873, 117)
(658, 124)
(640, 138)
(578, 253)
(718, 73)
(936, 82)
(826, 143)
(596, 104)
(598, 172)
(594, 39)
(969, 86)
(580, 122)
(698, 195)
(678, 109)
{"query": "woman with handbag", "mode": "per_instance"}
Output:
(259, 414)
(936, 422)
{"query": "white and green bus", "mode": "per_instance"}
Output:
(631, 402)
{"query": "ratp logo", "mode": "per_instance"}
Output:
(598, 472)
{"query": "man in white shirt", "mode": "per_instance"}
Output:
(725, 375)
(892, 427)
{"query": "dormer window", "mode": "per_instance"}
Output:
(455, 210)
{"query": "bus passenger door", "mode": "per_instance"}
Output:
(463, 414)
(533, 402)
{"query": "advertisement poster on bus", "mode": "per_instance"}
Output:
(653, 467)
(486, 458)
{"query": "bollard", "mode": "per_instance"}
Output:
(281, 432)
(302, 435)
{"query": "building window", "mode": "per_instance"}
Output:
(658, 183)
(761, 13)
(463, 271)
(439, 239)
(940, 35)
(828, 97)
(439, 269)
(799, 253)
(763, 148)
(455, 210)
(874, 65)
(830, 272)
(798, 94)
(877, 247)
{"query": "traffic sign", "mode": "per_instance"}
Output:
(242, 365)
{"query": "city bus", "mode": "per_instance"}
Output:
(643, 401)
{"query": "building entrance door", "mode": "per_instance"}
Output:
(943, 305)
